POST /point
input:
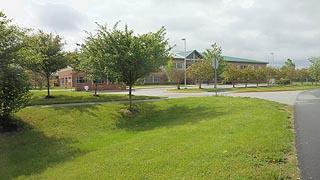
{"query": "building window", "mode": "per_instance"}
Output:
(81, 80)
(152, 80)
(156, 79)
(69, 80)
(62, 80)
(179, 65)
(99, 81)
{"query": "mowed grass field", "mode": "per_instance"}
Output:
(191, 138)
(65, 97)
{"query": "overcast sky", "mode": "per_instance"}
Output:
(243, 28)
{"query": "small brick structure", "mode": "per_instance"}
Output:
(69, 78)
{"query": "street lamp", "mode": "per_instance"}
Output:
(272, 58)
(185, 62)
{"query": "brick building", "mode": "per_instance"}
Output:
(69, 78)
(243, 63)
(192, 56)
(178, 60)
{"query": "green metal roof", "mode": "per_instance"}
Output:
(242, 60)
(182, 55)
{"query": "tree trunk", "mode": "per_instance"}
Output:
(48, 86)
(130, 97)
(246, 84)
(95, 89)
(257, 84)
(178, 86)
(233, 84)
(268, 82)
(200, 84)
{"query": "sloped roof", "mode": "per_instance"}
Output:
(182, 54)
(242, 60)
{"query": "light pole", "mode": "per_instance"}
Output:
(185, 62)
(272, 58)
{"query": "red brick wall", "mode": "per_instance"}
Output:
(69, 73)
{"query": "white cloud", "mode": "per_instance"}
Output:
(244, 28)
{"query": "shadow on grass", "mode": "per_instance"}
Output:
(30, 152)
(83, 109)
(61, 99)
(151, 117)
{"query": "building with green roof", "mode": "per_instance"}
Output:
(194, 55)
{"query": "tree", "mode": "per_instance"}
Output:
(175, 75)
(201, 70)
(14, 87)
(314, 69)
(44, 55)
(37, 80)
(288, 70)
(130, 57)
(302, 75)
(231, 74)
(260, 75)
(247, 74)
(215, 53)
(270, 74)
(289, 64)
(89, 62)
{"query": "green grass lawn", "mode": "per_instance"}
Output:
(63, 97)
(191, 138)
(248, 89)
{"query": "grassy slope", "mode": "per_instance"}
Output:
(62, 97)
(193, 138)
(249, 89)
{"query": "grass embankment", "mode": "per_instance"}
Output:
(192, 138)
(247, 89)
(64, 97)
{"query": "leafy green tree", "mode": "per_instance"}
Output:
(175, 75)
(231, 74)
(302, 75)
(37, 80)
(288, 70)
(130, 57)
(14, 87)
(271, 73)
(90, 62)
(201, 70)
(260, 75)
(44, 55)
(289, 64)
(314, 69)
(215, 53)
(247, 74)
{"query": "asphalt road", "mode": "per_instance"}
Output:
(307, 126)
(285, 97)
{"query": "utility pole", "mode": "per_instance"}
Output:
(185, 62)
(215, 65)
